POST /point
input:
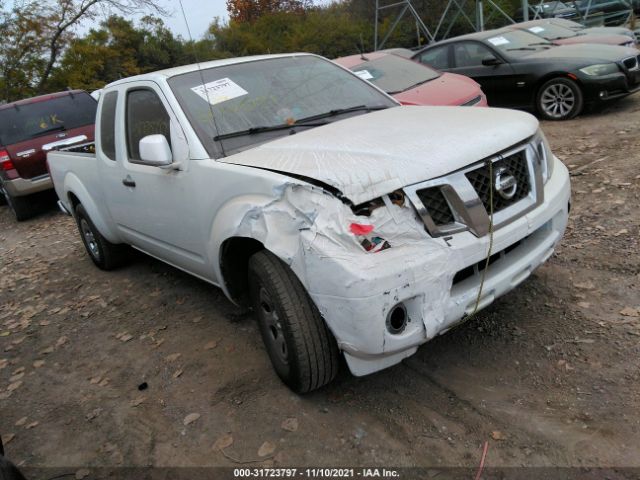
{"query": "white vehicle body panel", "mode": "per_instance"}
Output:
(183, 216)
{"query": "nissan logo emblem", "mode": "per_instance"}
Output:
(504, 183)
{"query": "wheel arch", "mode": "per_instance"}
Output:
(549, 76)
(235, 253)
(76, 193)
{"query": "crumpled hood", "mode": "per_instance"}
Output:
(370, 155)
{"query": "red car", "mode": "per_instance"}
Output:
(28, 130)
(412, 83)
(548, 29)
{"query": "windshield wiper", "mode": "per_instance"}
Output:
(412, 86)
(270, 128)
(520, 48)
(50, 129)
(340, 111)
(547, 44)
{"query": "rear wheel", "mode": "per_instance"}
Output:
(103, 253)
(559, 99)
(302, 350)
(19, 206)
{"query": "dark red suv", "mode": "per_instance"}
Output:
(28, 130)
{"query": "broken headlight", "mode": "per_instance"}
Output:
(545, 156)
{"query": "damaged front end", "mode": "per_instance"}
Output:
(391, 273)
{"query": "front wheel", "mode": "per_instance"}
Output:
(103, 253)
(301, 347)
(559, 99)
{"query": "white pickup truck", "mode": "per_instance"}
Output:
(350, 225)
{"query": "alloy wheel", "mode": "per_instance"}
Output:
(557, 100)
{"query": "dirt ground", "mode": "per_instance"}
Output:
(548, 375)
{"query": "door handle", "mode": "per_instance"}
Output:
(128, 182)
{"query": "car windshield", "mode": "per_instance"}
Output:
(517, 42)
(248, 98)
(549, 31)
(394, 74)
(31, 120)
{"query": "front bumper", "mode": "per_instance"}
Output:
(20, 187)
(431, 281)
(610, 87)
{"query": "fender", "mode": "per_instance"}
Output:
(225, 225)
(72, 184)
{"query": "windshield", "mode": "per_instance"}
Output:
(551, 32)
(32, 120)
(517, 42)
(267, 93)
(394, 74)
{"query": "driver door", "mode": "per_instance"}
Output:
(154, 207)
(497, 81)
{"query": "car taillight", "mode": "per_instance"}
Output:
(5, 161)
(7, 166)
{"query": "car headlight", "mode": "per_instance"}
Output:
(600, 69)
(545, 156)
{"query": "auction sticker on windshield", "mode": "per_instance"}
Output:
(219, 91)
(497, 41)
(536, 29)
(364, 74)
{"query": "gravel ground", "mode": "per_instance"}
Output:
(547, 375)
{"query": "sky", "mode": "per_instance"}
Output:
(199, 13)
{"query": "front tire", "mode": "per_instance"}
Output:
(103, 253)
(559, 99)
(302, 350)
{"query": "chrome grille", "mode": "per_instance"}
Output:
(482, 182)
(459, 201)
(437, 205)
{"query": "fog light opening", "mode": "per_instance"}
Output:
(603, 94)
(397, 319)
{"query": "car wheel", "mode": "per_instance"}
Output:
(19, 206)
(559, 99)
(302, 350)
(105, 255)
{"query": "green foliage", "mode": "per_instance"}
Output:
(330, 31)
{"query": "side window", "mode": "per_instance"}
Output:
(107, 125)
(470, 54)
(436, 58)
(145, 116)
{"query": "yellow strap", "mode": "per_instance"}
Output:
(486, 265)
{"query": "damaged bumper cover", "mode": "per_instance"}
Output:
(434, 280)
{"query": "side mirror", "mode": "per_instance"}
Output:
(155, 150)
(490, 61)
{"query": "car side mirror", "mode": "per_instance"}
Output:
(490, 61)
(155, 150)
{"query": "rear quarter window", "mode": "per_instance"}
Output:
(107, 125)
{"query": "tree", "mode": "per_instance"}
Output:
(21, 50)
(64, 14)
(247, 11)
